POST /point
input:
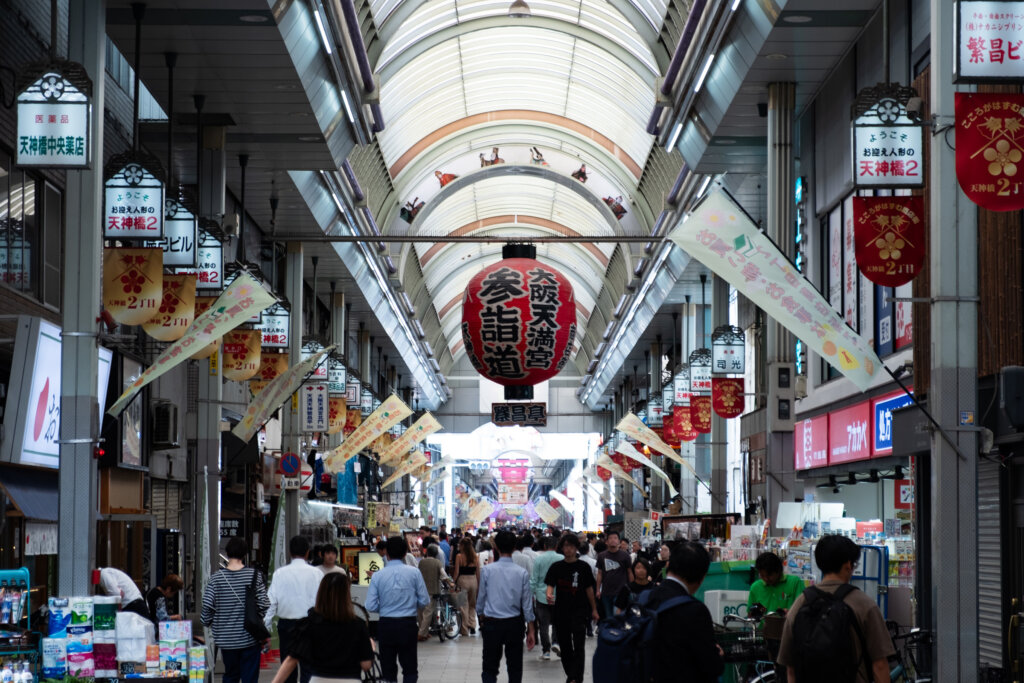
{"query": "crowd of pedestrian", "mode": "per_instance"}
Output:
(523, 587)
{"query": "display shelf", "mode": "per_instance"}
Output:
(17, 642)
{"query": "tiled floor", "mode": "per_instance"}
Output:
(459, 661)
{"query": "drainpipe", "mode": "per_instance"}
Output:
(348, 8)
(673, 196)
(682, 47)
(353, 182)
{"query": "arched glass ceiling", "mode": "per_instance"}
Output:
(516, 68)
(595, 15)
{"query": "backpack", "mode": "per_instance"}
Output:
(822, 647)
(625, 642)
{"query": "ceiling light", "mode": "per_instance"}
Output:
(704, 186)
(797, 19)
(674, 137)
(309, 138)
(348, 106)
(322, 30)
(776, 56)
(254, 18)
(736, 5)
(704, 73)
(519, 9)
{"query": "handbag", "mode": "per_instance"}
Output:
(253, 621)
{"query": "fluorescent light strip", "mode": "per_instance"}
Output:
(736, 5)
(348, 106)
(674, 138)
(323, 32)
(704, 186)
(704, 73)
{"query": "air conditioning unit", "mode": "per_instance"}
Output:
(165, 425)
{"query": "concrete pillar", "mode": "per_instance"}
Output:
(208, 456)
(365, 349)
(656, 484)
(687, 450)
(953, 264)
(781, 103)
(83, 251)
(291, 438)
(719, 436)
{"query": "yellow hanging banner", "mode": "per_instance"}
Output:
(391, 412)
(336, 414)
(271, 365)
(421, 429)
(203, 304)
(408, 468)
(132, 283)
(177, 309)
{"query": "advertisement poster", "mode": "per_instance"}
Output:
(810, 443)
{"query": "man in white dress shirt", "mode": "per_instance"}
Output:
(292, 594)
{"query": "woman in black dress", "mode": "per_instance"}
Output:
(331, 643)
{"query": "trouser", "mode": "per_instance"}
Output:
(469, 584)
(138, 606)
(426, 616)
(286, 634)
(545, 616)
(608, 604)
(242, 664)
(396, 639)
(507, 635)
(572, 638)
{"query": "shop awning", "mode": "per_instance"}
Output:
(32, 491)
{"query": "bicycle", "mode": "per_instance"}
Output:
(905, 665)
(446, 621)
(746, 649)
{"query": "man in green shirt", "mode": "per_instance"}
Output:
(774, 590)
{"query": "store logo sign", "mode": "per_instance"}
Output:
(882, 418)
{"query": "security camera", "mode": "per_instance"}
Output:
(915, 109)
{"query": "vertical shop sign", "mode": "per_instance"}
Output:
(883, 321)
(848, 439)
(667, 398)
(887, 146)
(336, 372)
(209, 265)
(54, 108)
(700, 372)
(365, 402)
(352, 392)
(313, 407)
(728, 350)
(133, 193)
(311, 348)
(681, 387)
(850, 289)
(989, 140)
(810, 443)
(180, 236)
(274, 326)
(904, 317)
(987, 39)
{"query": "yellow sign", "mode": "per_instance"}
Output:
(241, 351)
(177, 309)
(724, 239)
(414, 464)
(421, 429)
(240, 301)
(369, 564)
(391, 412)
(484, 509)
(132, 283)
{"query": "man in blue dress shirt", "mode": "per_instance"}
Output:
(504, 602)
(397, 593)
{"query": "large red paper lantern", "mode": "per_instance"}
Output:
(700, 414)
(518, 321)
(727, 396)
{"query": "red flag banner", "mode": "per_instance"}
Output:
(889, 238)
(990, 149)
(684, 422)
(700, 414)
(604, 474)
(727, 396)
(668, 431)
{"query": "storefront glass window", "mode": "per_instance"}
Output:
(18, 228)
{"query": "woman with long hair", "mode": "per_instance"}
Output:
(467, 570)
(331, 643)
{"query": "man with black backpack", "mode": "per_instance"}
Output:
(834, 633)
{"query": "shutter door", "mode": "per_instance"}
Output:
(990, 575)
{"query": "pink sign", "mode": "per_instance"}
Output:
(848, 434)
(810, 443)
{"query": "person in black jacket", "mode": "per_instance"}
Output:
(684, 641)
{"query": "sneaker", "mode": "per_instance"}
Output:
(557, 650)
(546, 657)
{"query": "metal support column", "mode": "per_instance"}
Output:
(365, 349)
(687, 449)
(953, 254)
(79, 428)
(719, 452)
(656, 485)
(291, 438)
(781, 102)
(208, 456)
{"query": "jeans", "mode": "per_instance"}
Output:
(545, 618)
(507, 635)
(286, 634)
(608, 603)
(396, 639)
(572, 639)
(242, 664)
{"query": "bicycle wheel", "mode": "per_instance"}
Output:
(452, 625)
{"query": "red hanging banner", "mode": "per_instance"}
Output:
(700, 414)
(727, 396)
(990, 149)
(669, 433)
(604, 474)
(684, 423)
(889, 235)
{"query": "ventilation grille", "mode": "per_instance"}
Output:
(675, 19)
(659, 176)
(369, 167)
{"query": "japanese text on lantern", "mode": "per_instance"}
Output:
(500, 325)
(540, 331)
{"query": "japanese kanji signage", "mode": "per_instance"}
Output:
(722, 237)
(681, 387)
(353, 392)
(889, 238)
(887, 147)
(728, 353)
(518, 321)
(989, 140)
(522, 414)
(180, 236)
(177, 309)
(241, 358)
(336, 373)
(308, 349)
(727, 397)
(133, 207)
(655, 412)
(365, 401)
(391, 411)
(848, 438)
(232, 272)
(421, 429)
(810, 443)
(209, 265)
(336, 414)
(668, 395)
(273, 395)
(54, 108)
(313, 407)
(272, 365)
(700, 372)
(227, 313)
(700, 414)
(132, 283)
(274, 326)
(989, 43)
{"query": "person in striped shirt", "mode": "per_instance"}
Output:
(224, 610)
